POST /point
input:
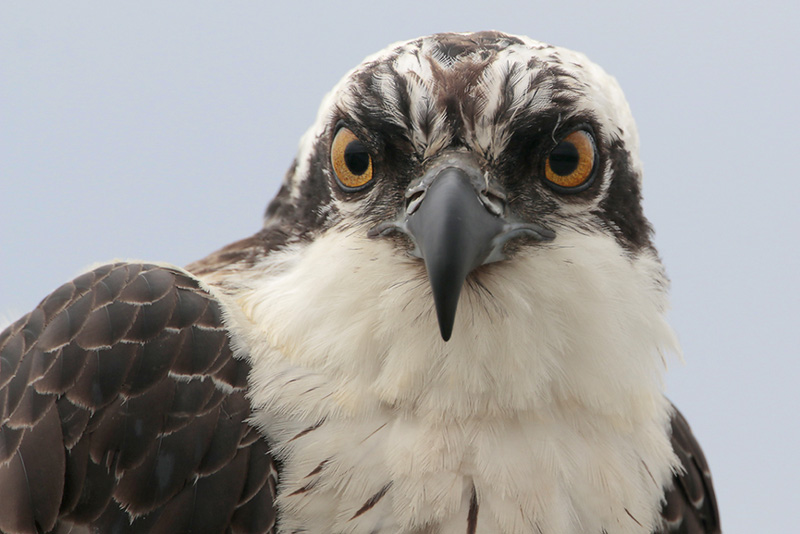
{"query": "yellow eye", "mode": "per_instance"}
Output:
(351, 161)
(570, 164)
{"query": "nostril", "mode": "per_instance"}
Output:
(494, 200)
(414, 196)
(414, 200)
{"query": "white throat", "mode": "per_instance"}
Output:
(546, 403)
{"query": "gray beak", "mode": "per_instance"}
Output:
(456, 227)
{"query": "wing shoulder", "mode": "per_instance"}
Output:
(122, 407)
(690, 506)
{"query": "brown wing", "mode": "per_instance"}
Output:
(691, 506)
(122, 408)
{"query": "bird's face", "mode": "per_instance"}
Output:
(467, 150)
(481, 170)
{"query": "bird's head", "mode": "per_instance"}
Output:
(483, 171)
(464, 150)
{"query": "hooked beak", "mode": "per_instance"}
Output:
(456, 227)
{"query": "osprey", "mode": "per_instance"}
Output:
(451, 321)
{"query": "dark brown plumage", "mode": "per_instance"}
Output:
(122, 408)
(690, 506)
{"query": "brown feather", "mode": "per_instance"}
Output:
(111, 410)
(690, 506)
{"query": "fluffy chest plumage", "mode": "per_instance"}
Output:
(397, 473)
(544, 413)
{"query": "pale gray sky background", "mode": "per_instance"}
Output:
(160, 130)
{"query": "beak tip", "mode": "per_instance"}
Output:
(446, 317)
(446, 333)
(446, 291)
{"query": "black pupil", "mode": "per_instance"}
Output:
(356, 157)
(564, 158)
